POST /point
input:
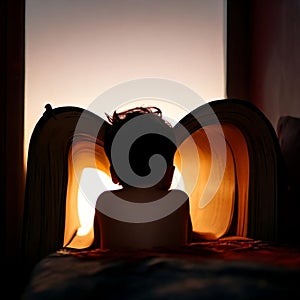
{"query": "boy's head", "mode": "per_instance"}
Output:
(139, 134)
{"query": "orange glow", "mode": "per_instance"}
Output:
(82, 155)
(80, 212)
(215, 216)
(225, 213)
(230, 202)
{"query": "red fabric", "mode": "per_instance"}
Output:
(228, 249)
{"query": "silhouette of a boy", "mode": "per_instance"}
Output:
(145, 212)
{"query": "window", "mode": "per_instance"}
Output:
(76, 50)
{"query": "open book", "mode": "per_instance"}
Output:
(229, 161)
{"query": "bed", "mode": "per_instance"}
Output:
(229, 268)
(232, 267)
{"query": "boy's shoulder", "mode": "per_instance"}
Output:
(113, 199)
(105, 195)
(179, 194)
(171, 193)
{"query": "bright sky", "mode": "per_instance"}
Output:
(76, 50)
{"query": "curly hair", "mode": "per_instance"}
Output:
(145, 146)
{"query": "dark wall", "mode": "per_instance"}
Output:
(238, 49)
(276, 57)
(11, 143)
(263, 55)
(12, 122)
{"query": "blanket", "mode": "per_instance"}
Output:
(225, 269)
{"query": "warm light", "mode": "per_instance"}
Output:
(88, 176)
(213, 207)
(211, 211)
(83, 157)
(96, 181)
